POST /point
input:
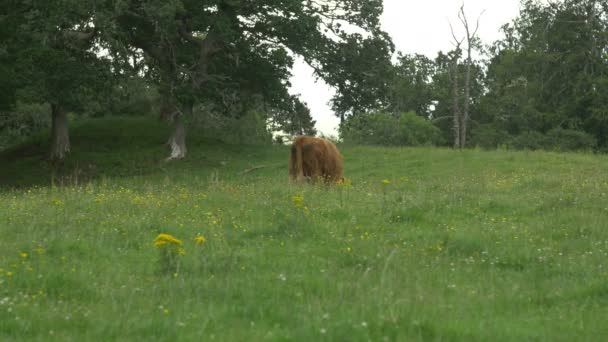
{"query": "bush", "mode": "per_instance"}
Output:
(569, 140)
(133, 97)
(488, 136)
(251, 128)
(384, 129)
(556, 139)
(531, 140)
(26, 120)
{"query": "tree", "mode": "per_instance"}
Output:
(293, 118)
(411, 86)
(448, 93)
(213, 49)
(52, 59)
(388, 129)
(550, 71)
(360, 70)
(461, 115)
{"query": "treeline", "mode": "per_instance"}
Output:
(223, 67)
(222, 64)
(544, 86)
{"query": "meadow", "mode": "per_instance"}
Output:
(420, 244)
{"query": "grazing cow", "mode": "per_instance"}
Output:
(314, 159)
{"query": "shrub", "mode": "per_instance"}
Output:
(488, 136)
(407, 129)
(531, 140)
(250, 128)
(569, 140)
(26, 120)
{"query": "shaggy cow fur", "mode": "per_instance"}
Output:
(314, 159)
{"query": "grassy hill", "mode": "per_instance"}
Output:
(422, 244)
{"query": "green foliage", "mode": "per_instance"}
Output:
(558, 139)
(443, 92)
(548, 73)
(54, 57)
(250, 128)
(411, 87)
(530, 140)
(21, 123)
(132, 97)
(570, 140)
(384, 129)
(219, 52)
(488, 136)
(358, 68)
(455, 246)
(293, 118)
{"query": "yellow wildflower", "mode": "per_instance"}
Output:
(164, 239)
(200, 240)
(298, 201)
(386, 182)
(23, 254)
(345, 183)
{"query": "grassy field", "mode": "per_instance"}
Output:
(421, 244)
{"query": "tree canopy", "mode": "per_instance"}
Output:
(544, 81)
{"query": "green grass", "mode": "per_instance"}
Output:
(459, 246)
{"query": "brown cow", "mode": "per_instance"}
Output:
(314, 159)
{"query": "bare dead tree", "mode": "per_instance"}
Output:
(462, 117)
(470, 37)
(457, 114)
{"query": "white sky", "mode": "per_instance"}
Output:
(416, 26)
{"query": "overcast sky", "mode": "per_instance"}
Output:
(419, 26)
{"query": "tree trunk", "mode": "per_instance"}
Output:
(470, 37)
(455, 106)
(60, 139)
(467, 98)
(177, 141)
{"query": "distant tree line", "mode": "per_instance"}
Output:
(543, 86)
(223, 66)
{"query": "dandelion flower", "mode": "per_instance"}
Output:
(200, 240)
(386, 182)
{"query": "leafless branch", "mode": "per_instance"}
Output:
(457, 42)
